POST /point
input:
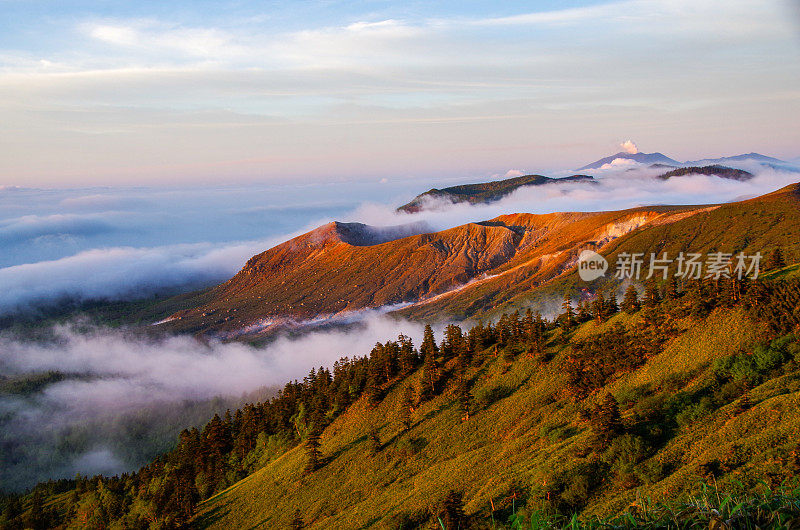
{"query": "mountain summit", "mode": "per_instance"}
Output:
(642, 158)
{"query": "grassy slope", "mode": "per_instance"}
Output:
(524, 437)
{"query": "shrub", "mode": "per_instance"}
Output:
(626, 449)
(694, 412)
(556, 433)
(491, 395)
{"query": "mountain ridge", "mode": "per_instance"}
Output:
(460, 272)
(484, 192)
(659, 159)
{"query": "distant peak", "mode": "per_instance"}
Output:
(360, 234)
(642, 158)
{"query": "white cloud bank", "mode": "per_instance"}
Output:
(617, 187)
(113, 375)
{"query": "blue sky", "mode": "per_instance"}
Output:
(235, 92)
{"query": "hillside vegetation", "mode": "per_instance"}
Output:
(483, 192)
(713, 170)
(622, 410)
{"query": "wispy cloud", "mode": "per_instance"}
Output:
(400, 78)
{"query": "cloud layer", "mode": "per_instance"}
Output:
(114, 377)
(73, 248)
(617, 187)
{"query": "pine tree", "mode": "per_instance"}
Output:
(605, 420)
(428, 345)
(539, 329)
(451, 513)
(453, 343)
(430, 374)
(585, 311)
(528, 325)
(630, 302)
(672, 292)
(408, 357)
(567, 316)
(652, 296)
(375, 375)
(312, 453)
(406, 406)
(599, 309)
(503, 330)
(39, 518)
(612, 308)
(465, 400)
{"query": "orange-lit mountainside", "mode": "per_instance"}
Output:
(469, 270)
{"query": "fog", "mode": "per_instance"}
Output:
(114, 382)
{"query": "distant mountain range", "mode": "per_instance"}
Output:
(660, 159)
(755, 157)
(484, 192)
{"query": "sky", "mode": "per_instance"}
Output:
(234, 92)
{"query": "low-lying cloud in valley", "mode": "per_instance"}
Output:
(112, 384)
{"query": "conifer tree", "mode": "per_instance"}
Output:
(430, 374)
(612, 308)
(451, 514)
(453, 343)
(428, 342)
(406, 405)
(374, 389)
(630, 302)
(605, 420)
(567, 316)
(599, 309)
(539, 329)
(672, 292)
(652, 296)
(312, 453)
(408, 356)
(528, 325)
(585, 311)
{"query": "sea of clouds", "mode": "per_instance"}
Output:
(114, 243)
